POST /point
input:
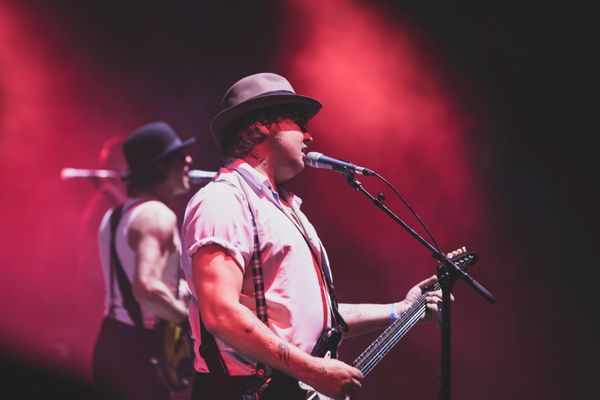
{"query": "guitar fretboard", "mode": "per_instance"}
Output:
(381, 346)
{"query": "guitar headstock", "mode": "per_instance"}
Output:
(462, 258)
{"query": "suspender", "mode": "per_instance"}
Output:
(259, 286)
(129, 302)
(208, 347)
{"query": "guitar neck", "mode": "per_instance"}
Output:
(393, 333)
(369, 358)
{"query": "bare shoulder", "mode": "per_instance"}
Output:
(154, 217)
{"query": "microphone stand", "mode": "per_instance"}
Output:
(447, 274)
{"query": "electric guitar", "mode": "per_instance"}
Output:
(381, 346)
(174, 356)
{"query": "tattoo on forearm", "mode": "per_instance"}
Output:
(250, 329)
(314, 367)
(353, 311)
(256, 323)
(284, 352)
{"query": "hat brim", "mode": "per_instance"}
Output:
(223, 120)
(173, 148)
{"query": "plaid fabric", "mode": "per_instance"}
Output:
(257, 277)
(259, 287)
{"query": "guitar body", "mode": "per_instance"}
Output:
(174, 357)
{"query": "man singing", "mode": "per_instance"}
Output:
(262, 292)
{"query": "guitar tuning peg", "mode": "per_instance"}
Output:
(464, 249)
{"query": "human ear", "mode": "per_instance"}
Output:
(262, 128)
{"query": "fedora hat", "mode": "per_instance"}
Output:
(147, 145)
(256, 92)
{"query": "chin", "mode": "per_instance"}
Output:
(183, 188)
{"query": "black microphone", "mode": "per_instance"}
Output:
(200, 177)
(318, 160)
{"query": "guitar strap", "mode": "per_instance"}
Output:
(129, 302)
(337, 317)
(325, 271)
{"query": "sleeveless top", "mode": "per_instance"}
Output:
(113, 304)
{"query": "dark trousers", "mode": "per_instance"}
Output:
(121, 366)
(280, 387)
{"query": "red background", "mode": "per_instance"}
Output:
(478, 115)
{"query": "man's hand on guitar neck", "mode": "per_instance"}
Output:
(433, 300)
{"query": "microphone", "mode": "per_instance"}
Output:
(200, 177)
(318, 160)
(77, 173)
(196, 176)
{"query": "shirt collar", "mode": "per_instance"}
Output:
(258, 181)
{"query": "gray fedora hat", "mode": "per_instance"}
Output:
(147, 145)
(256, 92)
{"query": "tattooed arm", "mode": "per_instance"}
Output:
(363, 318)
(218, 282)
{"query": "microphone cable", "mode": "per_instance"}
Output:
(410, 208)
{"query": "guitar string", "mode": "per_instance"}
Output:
(391, 330)
(315, 395)
(369, 358)
(378, 356)
(368, 361)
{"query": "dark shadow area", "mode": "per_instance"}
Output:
(23, 380)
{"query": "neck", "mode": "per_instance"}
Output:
(157, 192)
(262, 164)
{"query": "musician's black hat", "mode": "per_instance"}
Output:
(148, 145)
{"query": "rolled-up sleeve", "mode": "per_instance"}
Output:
(218, 214)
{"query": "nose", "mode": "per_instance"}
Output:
(307, 138)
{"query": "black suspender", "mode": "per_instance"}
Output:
(129, 302)
(208, 347)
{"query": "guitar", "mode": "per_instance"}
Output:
(174, 357)
(381, 346)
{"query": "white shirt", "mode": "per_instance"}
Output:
(296, 296)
